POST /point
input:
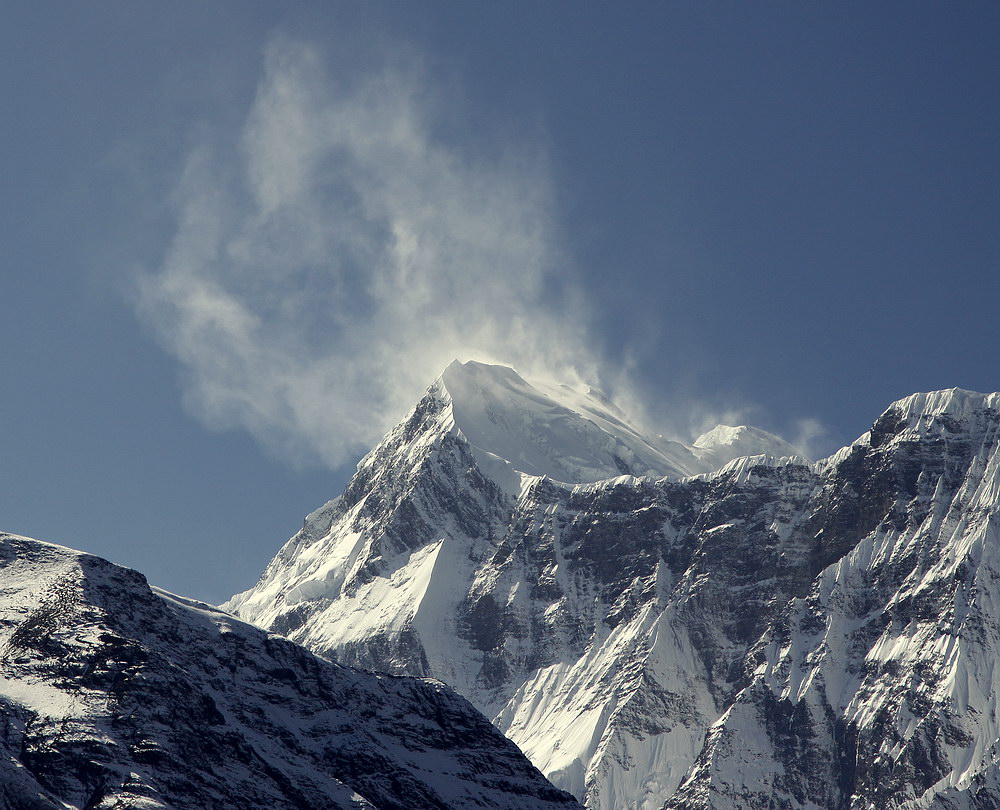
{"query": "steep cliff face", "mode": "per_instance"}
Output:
(771, 633)
(114, 695)
(877, 687)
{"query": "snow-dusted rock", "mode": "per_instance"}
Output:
(115, 695)
(877, 686)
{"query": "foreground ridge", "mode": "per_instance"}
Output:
(117, 695)
(772, 633)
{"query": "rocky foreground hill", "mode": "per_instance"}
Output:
(114, 695)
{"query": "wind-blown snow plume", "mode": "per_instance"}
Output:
(330, 263)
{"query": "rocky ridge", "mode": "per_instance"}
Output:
(116, 695)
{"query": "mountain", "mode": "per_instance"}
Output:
(516, 428)
(724, 443)
(876, 684)
(774, 633)
(451, 554)
(117, 695)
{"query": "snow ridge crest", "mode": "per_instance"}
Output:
(575, 437)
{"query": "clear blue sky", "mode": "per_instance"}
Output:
(788, 211)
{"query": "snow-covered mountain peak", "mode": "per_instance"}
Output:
(766, 632)
(957, 402)
(544, 429)
(931, 415)
(723, 443)
(572, 435)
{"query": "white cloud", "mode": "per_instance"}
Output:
(332, 259)
(811, 437)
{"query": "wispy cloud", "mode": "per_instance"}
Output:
(338, 253)
(811, 436)
(351, 239)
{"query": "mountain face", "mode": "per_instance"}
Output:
(115, 695)
(666, 626)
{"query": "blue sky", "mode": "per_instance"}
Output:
(237, 239)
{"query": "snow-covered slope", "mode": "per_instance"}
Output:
(115, 695)
(538, 429)
(773, 628)
(516, 427)
(723, 444)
